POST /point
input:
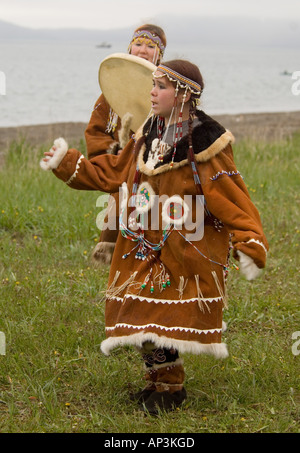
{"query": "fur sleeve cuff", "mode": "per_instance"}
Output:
(60, 150)
(247, 266)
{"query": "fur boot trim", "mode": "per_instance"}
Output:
(102, 253)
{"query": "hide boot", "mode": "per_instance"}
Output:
(165, 377)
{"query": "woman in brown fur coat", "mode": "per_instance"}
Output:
(103, 136)
(184, 207)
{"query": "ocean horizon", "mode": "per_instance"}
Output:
(51, 82)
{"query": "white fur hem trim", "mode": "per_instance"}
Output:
(247, 266)
(218, 350)
(53, 162)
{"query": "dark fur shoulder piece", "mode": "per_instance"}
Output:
(205, 133)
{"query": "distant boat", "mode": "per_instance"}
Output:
(104, 45)
(286, 73)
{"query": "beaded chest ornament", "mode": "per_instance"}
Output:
(144, 249)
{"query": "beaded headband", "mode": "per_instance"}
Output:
(145, 34)
(184, 82)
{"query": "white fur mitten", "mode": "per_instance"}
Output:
(59, 150)
(247, 266)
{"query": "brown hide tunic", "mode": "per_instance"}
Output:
(102, 137)
(101, 134)
(187, 315)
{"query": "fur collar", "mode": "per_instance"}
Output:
(209, 139)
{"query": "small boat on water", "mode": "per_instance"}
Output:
(103, 45)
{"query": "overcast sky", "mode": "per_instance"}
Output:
(106, 14)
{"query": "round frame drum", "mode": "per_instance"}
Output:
(126, 82)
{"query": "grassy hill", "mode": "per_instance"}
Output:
(53, 377)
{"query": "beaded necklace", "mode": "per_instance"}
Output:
(137, 231)
(162, 145)
(145, 249)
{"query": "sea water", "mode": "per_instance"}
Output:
(47, 82)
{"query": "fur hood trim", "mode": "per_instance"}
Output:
(215, 148)
(209, 139)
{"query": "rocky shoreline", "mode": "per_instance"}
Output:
(255, 126)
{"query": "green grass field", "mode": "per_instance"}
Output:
(53, 377)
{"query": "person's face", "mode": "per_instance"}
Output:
(146, 50)
(162, 96)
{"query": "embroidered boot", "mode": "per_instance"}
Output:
(142, 395)
(148, 354)
(169, 391)
(164, 376)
